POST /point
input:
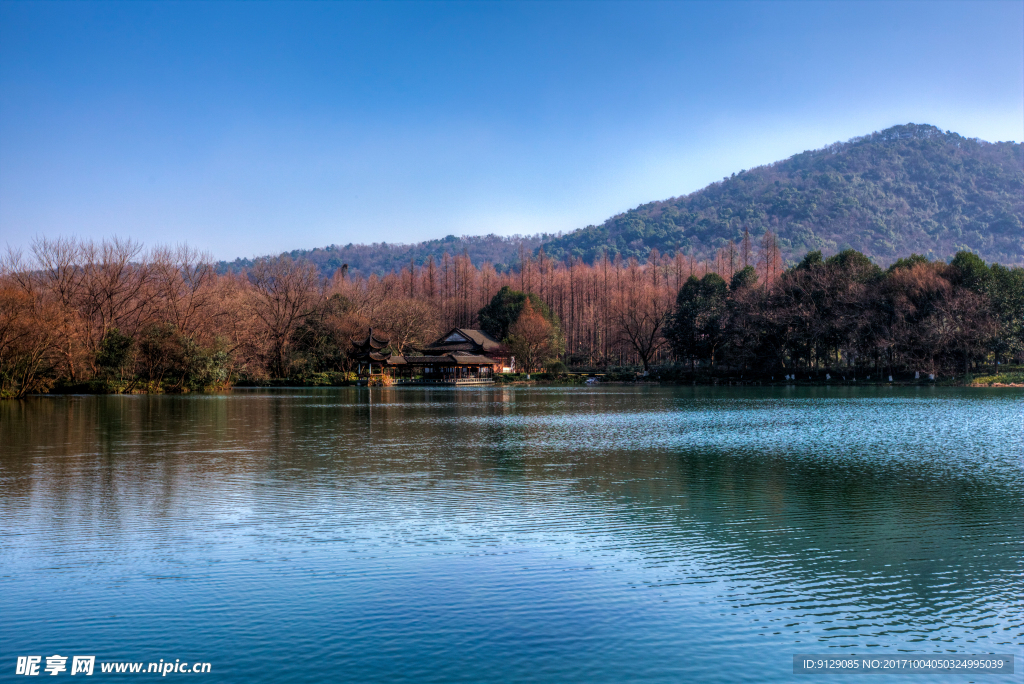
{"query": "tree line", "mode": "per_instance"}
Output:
(114, 316)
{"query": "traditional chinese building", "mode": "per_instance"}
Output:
(459, 357)
(475, 343)
(454, 368)
(368, 352)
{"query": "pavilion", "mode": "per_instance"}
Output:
(437, 363)
(368, 352)
(473, 342)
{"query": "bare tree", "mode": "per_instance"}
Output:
(116, 275)
(283, 292)
(406, 322)
(29, 331)
(530, 338)
(58, 268)
(640, 313)
(183, 278)
(771, 259)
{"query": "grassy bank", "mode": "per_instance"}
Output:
(1005, 379)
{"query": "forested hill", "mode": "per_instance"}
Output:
(383, 257)
(906, 189)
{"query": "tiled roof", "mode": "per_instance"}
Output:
(427, 360)
(371, 341)
(474, 360)
(475, 341)
(461, 359)
(481, 338)
(452, 347)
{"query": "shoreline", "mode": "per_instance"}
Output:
(84, 390)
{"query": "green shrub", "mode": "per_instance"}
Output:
(116, 354)
(557, 368)
(1000, 379)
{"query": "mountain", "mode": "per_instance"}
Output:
(383, 257)
(906, 189)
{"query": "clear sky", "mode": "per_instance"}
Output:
(252, 128)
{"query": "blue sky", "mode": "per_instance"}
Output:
(252, 128)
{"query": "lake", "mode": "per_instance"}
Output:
(598, 534)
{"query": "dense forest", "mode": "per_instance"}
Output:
(114, 317)
(907, 189)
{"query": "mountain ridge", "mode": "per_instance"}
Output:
(907, 189)
(910, 188)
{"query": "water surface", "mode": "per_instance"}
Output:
(604, 534)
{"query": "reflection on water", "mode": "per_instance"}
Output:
(489, 534)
